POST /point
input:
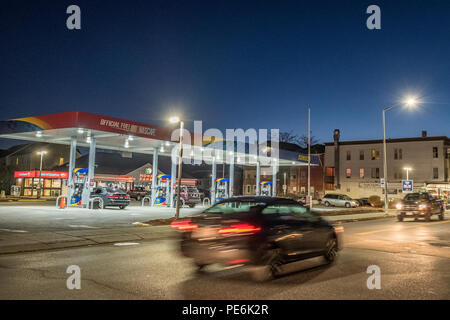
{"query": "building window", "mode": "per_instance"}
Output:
(375, 173)
(361, 155)
(61, 161)
(435, 153)
(375, 154)
(349, 155)
(435, 173)
(361, 173)
(348, 173)
(398, 154)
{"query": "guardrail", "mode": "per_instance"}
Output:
(93, 200)
(57, 201)
(149, 200)
(206, 202)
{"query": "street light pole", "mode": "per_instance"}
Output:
(40, 174)
(180, 169)
(309, 159)
(385, 161)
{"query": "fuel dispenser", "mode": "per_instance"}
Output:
(221, 189)
(162, 189)
(266, 188)
(80, 176)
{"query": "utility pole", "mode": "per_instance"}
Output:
(309, 159)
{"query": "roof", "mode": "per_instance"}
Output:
(395, 140)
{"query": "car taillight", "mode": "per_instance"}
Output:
(183, 225)
(240, 228)
(127, 197)
(113, 197)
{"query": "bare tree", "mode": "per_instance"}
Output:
(302, 141)
(289, 137)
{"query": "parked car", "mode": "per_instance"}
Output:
(189, 196)
(138, 193)
(111, 197)
(364, 202)
(262, 233)
(420, 205)
(339, 200)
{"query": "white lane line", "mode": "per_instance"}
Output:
(12, 230)
(119, 244)
(82, 226)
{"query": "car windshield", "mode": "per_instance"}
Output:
(416, 196)
(234, 207)
(346, 197)
(111, 190)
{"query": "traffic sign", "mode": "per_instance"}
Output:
(407, 185)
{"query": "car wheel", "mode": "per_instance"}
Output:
(427, 217)
(441, 215)
(122, 207)
(271, 269)
(347, 205)
(331, 250)
(327, 204)
(400, 217)
(138, 198)
(192, 205)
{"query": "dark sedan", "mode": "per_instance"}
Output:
(111, 197)
(261, 232)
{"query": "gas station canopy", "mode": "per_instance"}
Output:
(127, 136)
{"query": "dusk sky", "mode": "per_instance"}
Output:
(232, 64)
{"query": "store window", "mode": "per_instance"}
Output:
(361, 173)
(348, 173)
(61, 161)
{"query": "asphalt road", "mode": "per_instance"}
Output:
(414, 259)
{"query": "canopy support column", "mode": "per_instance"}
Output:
(91, 172)
(213, 181)
(154, 174)
(258, 177)
(72, 159)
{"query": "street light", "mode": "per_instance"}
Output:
(409, 102)
(176, 119)
(41, 153)
(407, 172)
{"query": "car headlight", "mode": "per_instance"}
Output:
(399, 206)
(422, 206)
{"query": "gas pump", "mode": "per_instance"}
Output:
(162, 189)
(221, 189)
(79, 176)
(266, 188)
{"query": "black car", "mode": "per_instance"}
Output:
(420, 205)
(261, 232)
(111, 197)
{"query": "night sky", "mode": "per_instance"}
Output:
(232, 64)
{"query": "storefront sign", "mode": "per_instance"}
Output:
(44, 174)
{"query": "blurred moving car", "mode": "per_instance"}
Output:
(138, 193)
(111, 197)
(364, 202)
(339, 200)
(420, 205)
(261, 232)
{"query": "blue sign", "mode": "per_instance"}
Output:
(407, 185)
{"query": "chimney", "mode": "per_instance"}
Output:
(336, 136)
(424, 133)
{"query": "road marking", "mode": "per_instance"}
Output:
(140, 224)
(12, 230)
(408, 227)
(82, 226)
(119, 244)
